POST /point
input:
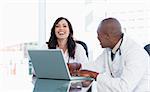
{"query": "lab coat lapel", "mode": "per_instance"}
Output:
(117, 65)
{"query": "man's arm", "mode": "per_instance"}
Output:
(135, 67)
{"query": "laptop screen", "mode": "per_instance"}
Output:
(49, 63)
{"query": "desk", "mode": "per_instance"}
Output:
(27, 84)
(16, 78)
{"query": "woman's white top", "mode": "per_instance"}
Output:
(80, 55)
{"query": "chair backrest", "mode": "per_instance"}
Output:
(84, 46)
(147, 48)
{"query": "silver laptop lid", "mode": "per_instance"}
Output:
(49, 63)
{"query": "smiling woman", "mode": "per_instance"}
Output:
(62, 30)
(62, 38)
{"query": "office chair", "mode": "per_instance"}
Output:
(147, 48)
(84, 46)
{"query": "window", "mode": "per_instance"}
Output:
(85, 16)
(18, 29)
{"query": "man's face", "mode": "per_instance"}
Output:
(103, 37)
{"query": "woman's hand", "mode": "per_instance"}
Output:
(74, 68)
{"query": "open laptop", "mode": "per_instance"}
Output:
(50, 63)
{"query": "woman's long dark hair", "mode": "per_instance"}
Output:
(70, 42)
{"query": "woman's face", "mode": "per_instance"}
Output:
(62, 29)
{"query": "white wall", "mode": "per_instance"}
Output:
(19, 20)
(85, 15)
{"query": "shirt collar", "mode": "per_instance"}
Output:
(66, 52)
(114, 50)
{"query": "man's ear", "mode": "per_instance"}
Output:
(107, 36)
(110, 37)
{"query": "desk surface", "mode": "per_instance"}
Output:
(15, 78)
(44, 85)
(28, 84)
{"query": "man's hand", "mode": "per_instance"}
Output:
(87, 73)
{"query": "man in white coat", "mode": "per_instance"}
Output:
(123, 65)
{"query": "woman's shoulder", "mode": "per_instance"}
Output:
(79, 46)
(80, 53)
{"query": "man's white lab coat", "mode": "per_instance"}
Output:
(127, 73)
